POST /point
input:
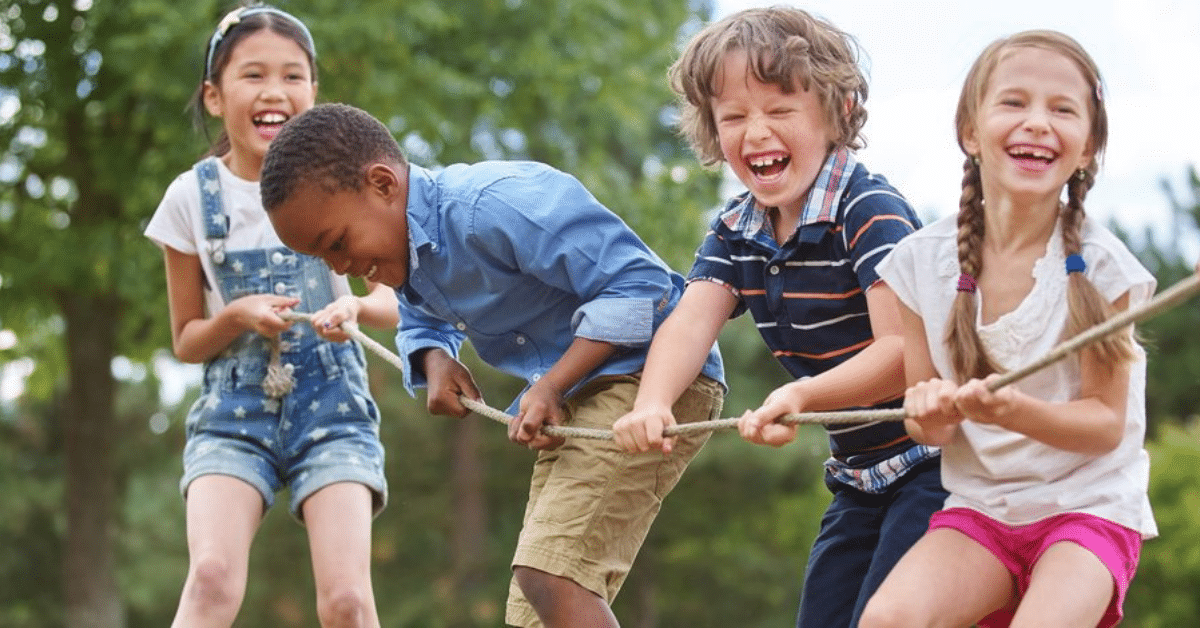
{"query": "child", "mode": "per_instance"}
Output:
(777, 94)
(549, 286)
(229, 279)
(1047, 477)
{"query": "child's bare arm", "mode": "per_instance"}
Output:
(677, 354)
(1093, 423)
(196, 338)
(874, 375)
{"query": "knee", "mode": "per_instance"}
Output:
(882, 612)
(344, 607)
(538, 587)
(213, 583)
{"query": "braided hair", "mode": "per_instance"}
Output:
(1086, 306)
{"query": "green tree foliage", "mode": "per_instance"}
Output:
(1163, 593)
(1173, 370)
(93, 127)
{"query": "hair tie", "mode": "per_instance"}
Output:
(966, 283)
(1075, 263)
(235, 16)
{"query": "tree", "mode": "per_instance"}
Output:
(1173, 348)
(83, 113)
(92, 129)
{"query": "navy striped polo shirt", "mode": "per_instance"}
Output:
(808, 297)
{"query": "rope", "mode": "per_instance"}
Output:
(279, 380)
(1161, 302)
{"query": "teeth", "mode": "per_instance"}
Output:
(1032, 151)
(371, 272)
(763, 162)
(270, 118)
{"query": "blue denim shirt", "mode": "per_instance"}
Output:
(520, 258)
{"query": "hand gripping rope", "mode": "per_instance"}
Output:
(1161, 302)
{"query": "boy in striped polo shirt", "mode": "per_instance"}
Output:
(778, 95)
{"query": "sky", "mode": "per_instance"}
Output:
(917, 54)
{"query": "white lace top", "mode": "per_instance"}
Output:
(1007, 475)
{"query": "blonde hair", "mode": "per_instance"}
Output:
(786, 47)
(1086, 306)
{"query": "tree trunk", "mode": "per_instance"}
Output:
(92, 596)
(468, 536)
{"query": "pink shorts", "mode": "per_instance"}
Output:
(1020, 547)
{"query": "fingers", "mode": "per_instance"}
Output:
(328, 322)
(977, 400)
(932, 400)
(526, 429)
(269, 322)
(643, 430)
(447, 379)
(445, 402)
(762, 427)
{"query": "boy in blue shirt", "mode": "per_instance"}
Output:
(777, 95)
(549, 286)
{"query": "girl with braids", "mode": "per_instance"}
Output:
(1047, 477)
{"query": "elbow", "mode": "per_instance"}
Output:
(1105, 437)
(1108, 438)
(187, 355)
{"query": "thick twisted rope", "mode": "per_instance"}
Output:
(1161, 302)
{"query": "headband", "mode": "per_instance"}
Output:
(235, 16)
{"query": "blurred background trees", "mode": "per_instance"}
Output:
(93, 127)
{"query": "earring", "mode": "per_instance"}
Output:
(1081, 174)
(975, 160)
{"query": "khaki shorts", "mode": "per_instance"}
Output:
(591, 503)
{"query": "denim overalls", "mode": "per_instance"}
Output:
(326, 429)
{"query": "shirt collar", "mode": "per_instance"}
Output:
(821, 205)
(422, 212)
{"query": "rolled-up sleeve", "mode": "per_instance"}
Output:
(619, 321)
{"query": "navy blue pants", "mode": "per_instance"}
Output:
(862, 536)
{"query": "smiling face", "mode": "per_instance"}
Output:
(361, 233)
(266, 81)
(775, 142)
(1032, 129)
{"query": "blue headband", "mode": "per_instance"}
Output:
(235, 16)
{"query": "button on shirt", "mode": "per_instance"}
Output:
(520, 258)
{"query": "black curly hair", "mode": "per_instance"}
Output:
(330, 145)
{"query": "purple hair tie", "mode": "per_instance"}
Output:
(1075, 263)
(966, 283)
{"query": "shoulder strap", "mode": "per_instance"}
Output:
(216, 221)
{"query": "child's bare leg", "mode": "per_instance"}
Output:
(1070, 586)
(338, 518)
(223, 513)
(945, 580)
(561, 602)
